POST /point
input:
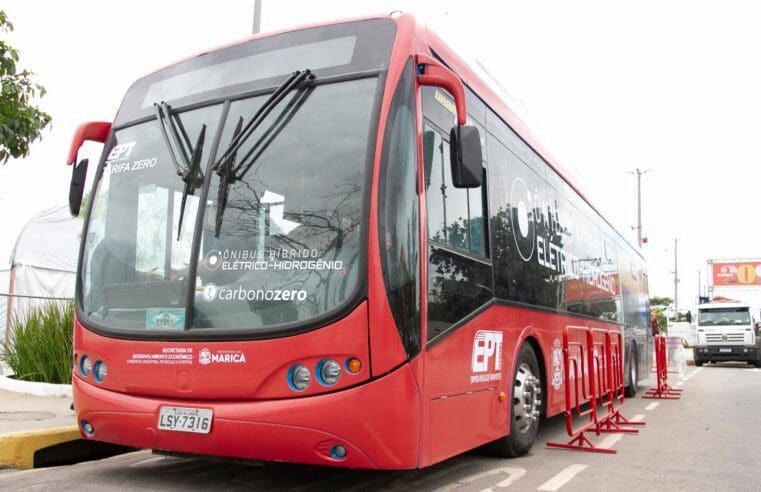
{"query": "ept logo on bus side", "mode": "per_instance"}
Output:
(486, 345)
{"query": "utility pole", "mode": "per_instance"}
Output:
(257, 16)
(676, 278)
(639, 202)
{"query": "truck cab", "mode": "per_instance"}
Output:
(726, 332)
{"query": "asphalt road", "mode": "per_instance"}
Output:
(708, 440)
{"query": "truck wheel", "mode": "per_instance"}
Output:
(526, 407)
(631, 388)
(757, 363)
(698, 362)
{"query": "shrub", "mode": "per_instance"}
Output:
(40, 348)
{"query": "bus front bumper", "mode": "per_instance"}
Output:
(377, 423)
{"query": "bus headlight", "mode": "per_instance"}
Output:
(85, 366)
(100, 371)
(329, 372)
(299, 378)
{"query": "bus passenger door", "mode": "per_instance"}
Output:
(464, 412)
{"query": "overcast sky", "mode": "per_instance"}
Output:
(671, 86)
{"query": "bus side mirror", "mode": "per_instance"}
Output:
(465, 150)
(465, 143)
(77, 186)
(96, 131)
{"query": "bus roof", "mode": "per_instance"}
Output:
(423, 37)
(485, 91)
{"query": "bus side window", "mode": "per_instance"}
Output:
(456, 216)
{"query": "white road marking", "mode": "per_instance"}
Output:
(653, 405)
(513, 475)
(697, 370)
(609, 441)
(561, 478)
(755, 369)
(680, 383)
(637, 418)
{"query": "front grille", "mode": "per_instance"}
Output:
(730, 337)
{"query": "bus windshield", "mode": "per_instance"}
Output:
(724, 316)
(286, 249)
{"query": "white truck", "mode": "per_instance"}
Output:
(726, 332)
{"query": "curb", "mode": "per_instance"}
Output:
(18, 449)
(35, 389)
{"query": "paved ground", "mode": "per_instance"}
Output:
(708, 440)
(20, 412)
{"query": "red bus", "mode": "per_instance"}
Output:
(334, 245)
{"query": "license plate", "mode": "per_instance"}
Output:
(726, 349)
(183, 419)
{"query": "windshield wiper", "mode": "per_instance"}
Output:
(190, 167)
(225, 172)
(226, 167)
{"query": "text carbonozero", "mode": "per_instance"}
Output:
(241, 294)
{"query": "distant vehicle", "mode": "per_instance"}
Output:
(296, 249)
(727, 332)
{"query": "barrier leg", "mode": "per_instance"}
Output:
(664, 392)
(614, 424)
(581, 443)
(619, 419)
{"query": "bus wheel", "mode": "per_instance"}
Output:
(631, 388)
(526, 407)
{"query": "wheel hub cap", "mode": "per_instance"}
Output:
(526, 402)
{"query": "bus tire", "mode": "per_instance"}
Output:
(698, 362)
(632, 369)
(526, 408)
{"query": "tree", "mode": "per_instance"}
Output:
(20, 120)
(661, 301)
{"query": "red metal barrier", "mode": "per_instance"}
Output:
(662, 391)
(592, 382)
(615, 353)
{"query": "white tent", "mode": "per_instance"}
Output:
(43, 265)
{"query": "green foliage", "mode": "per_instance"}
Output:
(661, 301)
(20, 120)
(40, 348)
